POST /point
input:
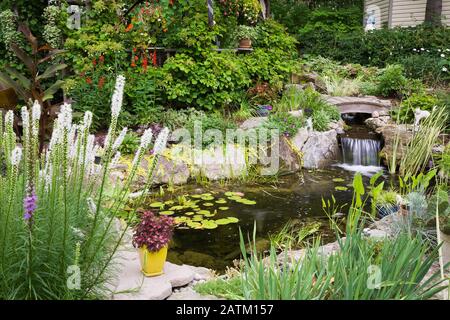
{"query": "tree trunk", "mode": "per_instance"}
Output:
(433, 12)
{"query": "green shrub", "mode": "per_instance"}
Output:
(418, 48)
(213, 82)
(143, 97)
(130, 143)
(405, 113)
(286, 123)
(391, 82)
(321, 112)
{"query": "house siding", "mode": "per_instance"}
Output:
(408, 12)
(403, 12)
(382, 15)
(446, 12)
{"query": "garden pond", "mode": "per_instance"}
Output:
(295, 198)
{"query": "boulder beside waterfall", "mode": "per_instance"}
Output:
(310, 149)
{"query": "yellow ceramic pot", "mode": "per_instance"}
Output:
(152, 263)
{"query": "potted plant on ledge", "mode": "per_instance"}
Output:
(245, 35)
(151, 237)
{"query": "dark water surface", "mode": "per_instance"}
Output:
(297, 196)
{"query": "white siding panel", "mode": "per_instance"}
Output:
(446, 12)
(408, 12)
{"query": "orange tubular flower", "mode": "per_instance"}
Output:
(129, 27)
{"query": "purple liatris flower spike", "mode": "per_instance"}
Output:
(29, 205)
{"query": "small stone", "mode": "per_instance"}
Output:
(375, 114)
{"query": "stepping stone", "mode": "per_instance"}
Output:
(132, 285)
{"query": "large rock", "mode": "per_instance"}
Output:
(220, 162)
(253, 123)
(396, 139)
(320, 149)
(309, 149)
(375, 123)
(171, 170)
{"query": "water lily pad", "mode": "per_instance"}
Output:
(207, 198)
(189, 213)
(176, 208)
(169, 202)
(222, 221)
(221, 201)
(194, 225)
(224, 208)
(338, 180)
(248, 202)
(157, 205)
(226, 220)
(203, 212)
(167, 213)
(197, 218)
(179, 220)
(209, 224)
(208, 204)
(341, 188)
(235, 198)
(197, 196)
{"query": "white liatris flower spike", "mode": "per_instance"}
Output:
(9, 119)
(119, 139)
(146, 139)
(87, 121)
(36, 111)
(116, 159)
(116, 101)
(56, 136)
(65, 116)
(161, 141)
(444, 69)
(25, 119)
(16, 155)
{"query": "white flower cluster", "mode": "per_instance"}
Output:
(116, 101)
(16, 155)
(161, 141)
(119, 139)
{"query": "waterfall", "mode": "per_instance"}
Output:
(360, 151)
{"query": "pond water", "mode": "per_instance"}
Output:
(295, 197)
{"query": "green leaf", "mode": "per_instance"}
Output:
(375, 177)
(26, 84)
(48, 94)
(24, 57)
(10, 83)
(50, 71)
